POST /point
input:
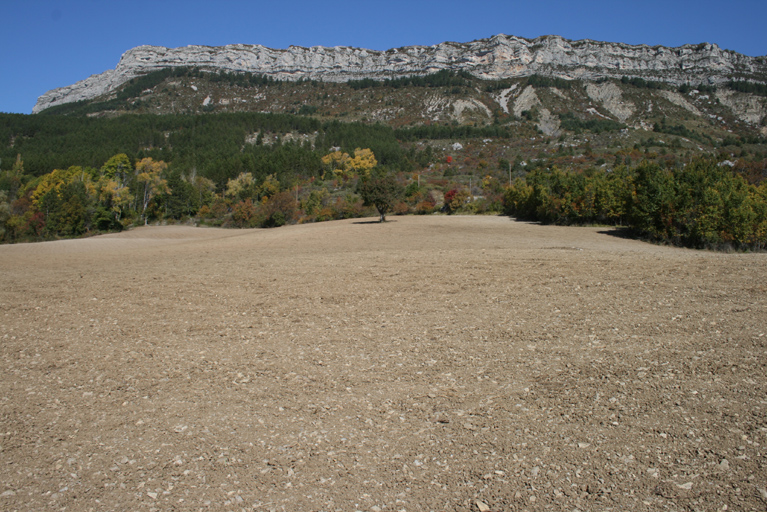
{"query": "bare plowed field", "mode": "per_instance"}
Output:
(429, 363)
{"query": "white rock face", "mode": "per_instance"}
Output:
(750, 109)
(610, 97)
(527, 100)
(460, 107)
(678, 99)
(548, 123)
(498, 57)
(503, 98)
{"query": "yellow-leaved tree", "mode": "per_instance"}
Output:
(114, 196)
(242, 187)
(150, 181)
(113, 185)
(54, 181)
(345, 167)
(336, 162)
(364, 160)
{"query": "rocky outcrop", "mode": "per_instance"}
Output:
(610, 97)
(496, 58)
(750, 109)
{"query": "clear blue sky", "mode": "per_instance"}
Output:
(46, 44)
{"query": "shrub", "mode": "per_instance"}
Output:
(243, 213)
(425, 207)
(278, 210)
(455, 199)
(401, 208)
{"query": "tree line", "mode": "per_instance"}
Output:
(78, 200)
(700, 205)
(442, 78)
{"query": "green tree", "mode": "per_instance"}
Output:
(204, 189)
(5, 213)
(381, 190)
(181, 200)
(74, 215)
(118, 168)
(653, 206)
(316, 200)
(12, 180)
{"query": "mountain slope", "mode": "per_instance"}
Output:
(550, 106)
(496, 58)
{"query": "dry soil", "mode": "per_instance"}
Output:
(429, 363)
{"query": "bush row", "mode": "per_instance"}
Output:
(701, 205)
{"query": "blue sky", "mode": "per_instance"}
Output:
(46, 44)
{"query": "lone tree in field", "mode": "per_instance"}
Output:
(380, 190)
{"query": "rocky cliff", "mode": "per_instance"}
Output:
(496, 58)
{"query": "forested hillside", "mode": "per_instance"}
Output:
(552, 150)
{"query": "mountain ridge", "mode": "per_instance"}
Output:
(498, 57)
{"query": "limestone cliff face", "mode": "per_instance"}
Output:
(498, 57)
